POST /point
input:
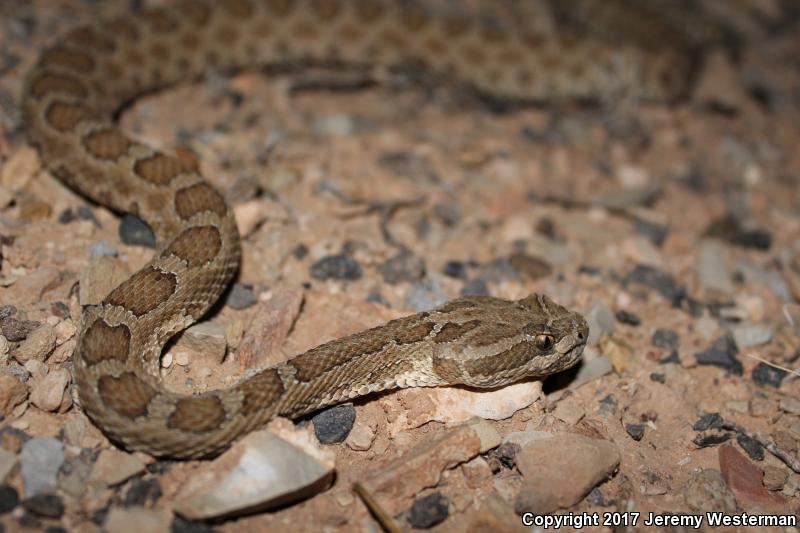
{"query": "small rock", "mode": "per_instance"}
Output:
(137, 520)
(113, 467)
(103, 248)
(750, 335)
(102, 275)
(428, 511)
(626, 317)
(47, 505)
(361, 437)
(334, 424)
(657, 279)
(402, 267)
(50, 393)
(40, 460)
(424, 295)
(730, 229)
(528, 267)
(336, 267)
(560, 470)
(134, 232)
(9, 499)
(706, 491)
(765, 374)
(207, 338)
(455, 269)
(38, 345)
(12, 393)
(790, 405)
(259, 471)
(16, 330)
(75, 431)
(713, 272)
(475, 287)
(721, 353)
(241, 296)
(745, 480)
(601, 321)
(636, 431)
(250, 215)
(658, 377)
(7, 463)
(775, 477)
(665, 338)
(144, 492)
(476, 472)
(32, 210)
(753, 448)
(792, 486)
(708, 421)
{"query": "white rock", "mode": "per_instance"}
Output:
(749, 335)
(260, 471)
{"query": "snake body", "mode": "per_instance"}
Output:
(69, 102)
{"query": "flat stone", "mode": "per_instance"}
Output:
(395, 484)
(113, 467)
(721, 353)
(263, 341)
(706, 491)
(749, 335)
(745, 479)
(260, 471)
(560, 470)
(40, 460)
(38, 345)
(334, 424)
(50, 393)
(137, 520)
(207, 338)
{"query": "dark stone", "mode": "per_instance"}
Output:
(81, 213)
(636, 431)
(7, 311)
(47, 505)
(133, 231)
(403, 266)
(750, 445)
(375, 296)
(60, 309)
(658, 378)
(665, 338)
(181, 525)
(17, 330)
(589, 270)
(657, 279)
(547, 229)
(336, 267)
(334, 424)
(704, 441)
(765, 374)
(626, 317)
(708, 421)
(529, 267)
(609, 401)
(503, 457)
(722, 353)
(730, 229)
(671, 359)
(300, 252)
(428, 511)
(98, 516)
(142, 492)
(475, 287)
(241, 296)
(499, 270)
(9, 498)
(455, 269)
(655, 233)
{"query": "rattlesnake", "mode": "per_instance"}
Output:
(69, 101)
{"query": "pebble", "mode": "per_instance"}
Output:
(50, 392)
(789, 404)
(103, 248)
(46, 505)
(455, 269)
(626, 317)
(753, 448)
(713, 272)
(113, 467)
(428, 511)
(475, 287)
(424, 295)
(361, 437)
(8, 461)
(745, 480)
(144, 492)
(706, 491)
(334, 424)
(635, 431)
(529, 267)
(749, 335)
(665, 338)
(40, 461)
(655, 278)
(241, 296)
(721, 353)
(9, 499)
(12, 393)
(708, 421)
(257, 470)
(250, 215)
(38, 344)
(765, 374)
(402, 267)
(207, 338)
(134, 232)
(339, 267)
(561, 469)
(601, 321)
(136, 520)
(101, 276)
(775, 477)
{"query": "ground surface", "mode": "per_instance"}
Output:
(675, 229)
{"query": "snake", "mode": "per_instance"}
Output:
(70, 101)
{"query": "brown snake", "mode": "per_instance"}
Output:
(69, 101)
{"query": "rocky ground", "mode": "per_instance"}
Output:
(674, 229)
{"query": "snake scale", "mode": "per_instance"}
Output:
(78, 85)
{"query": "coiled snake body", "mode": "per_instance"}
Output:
(69, 101)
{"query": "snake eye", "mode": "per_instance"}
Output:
(544, 342)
